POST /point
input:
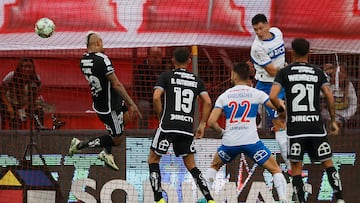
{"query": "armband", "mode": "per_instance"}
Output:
(281, 109)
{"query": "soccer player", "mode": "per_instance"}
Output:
(180, 89)
(240, 104)
(108, 96)
(268, 55)
(302, 83)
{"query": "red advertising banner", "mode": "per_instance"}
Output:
(331, 26)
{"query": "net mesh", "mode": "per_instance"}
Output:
(46, 101)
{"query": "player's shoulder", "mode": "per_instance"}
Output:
(256, 45)
(276, 31)
(101, 55)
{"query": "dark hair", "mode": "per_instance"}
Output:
(242, 69)
(88, 38)
(18, 73)
(300, 46)
(259, 18)
(181, 54)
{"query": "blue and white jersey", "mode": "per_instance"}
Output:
(264, 52)
(240, 106)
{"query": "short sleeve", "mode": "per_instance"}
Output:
(161, 82)
(279, 78)
(219, 103)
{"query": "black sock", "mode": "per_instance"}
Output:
(155, 181)
(335, 182)
(108, 149)
(201, 183)
(103, 141)
(298, 185)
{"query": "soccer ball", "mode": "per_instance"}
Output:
(44, 27)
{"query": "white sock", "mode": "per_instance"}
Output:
(210, 176)
(280, 185)
(281, 139)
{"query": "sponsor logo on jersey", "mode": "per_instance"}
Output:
(181, 118)
(277, 52)
(304, 118)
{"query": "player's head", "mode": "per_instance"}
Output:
(261, 26)
(181, 56)
(94, 42)
(300, 47)
(240, 73)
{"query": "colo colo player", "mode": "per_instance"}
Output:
(303, 83)
(180, 89)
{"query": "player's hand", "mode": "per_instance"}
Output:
(333, 129)
(135, 112)
(200, 131)
(282, 115)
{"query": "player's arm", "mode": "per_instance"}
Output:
(158, 92)
(213, 118)
(271, 69)
(206, 108)
(334, 129)
(120, 89)
(276, 103)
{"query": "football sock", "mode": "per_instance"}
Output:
(335, 182)
(281, 139)
(210, 176)
(298, 185)
(201, 183)
(103, 141)
(108, 149)
(155, 181)
(280, 184)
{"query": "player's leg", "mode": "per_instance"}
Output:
(324, 155)
(262, 155)
(279, 125)
(159, 146)
(297, 181)
(101, 141)
(296, 154)
(224, 155)
(115, 126)
(183, 146)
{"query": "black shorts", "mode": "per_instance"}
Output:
(114, 122)
(182, 144)
(318, 148)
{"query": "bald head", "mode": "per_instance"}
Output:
(94, 42)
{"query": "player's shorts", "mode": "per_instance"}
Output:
(318, 148)
(182, 144)
(257, 152)
(114, 122)
(266, 87)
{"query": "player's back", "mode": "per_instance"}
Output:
(95, 67)
(302, 83)
(240, 106)
(181, 90)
